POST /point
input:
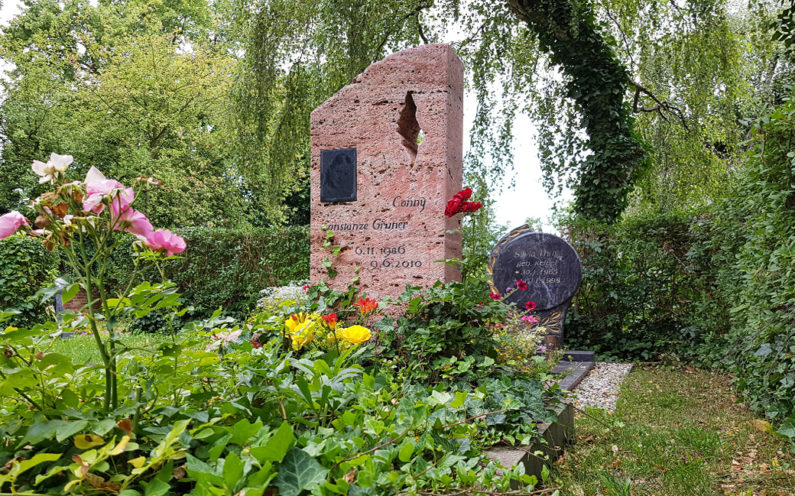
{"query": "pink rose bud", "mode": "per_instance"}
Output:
(10, 223)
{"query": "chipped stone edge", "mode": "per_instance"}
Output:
(556, 434)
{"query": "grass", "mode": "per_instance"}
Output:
(83, 348)
(676, 432)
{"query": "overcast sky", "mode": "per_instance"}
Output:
(526, 199)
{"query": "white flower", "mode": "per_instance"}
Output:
(56, 165)
(94, 175)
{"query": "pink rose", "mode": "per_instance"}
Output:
(98, 187)
(10, 222)
(163, 239)
(134, 222)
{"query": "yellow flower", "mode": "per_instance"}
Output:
(354, 334)
(301, 329)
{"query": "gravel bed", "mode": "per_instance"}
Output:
(600, 387)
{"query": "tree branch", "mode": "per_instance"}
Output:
(419, 8)
(623, 35)
(419, 29)
(662, 105)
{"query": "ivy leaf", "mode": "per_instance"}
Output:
(406, 450)
(439, 398)
(763, 351)
(233, 470)
(788, 427)
(460, 398)
(298, 472)
(277, 445)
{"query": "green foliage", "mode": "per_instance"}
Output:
(763, 323)
(597, 81)
(639, 283)
(297, 55)
(717, 287)
(695, 60)
(232, 417)
(444, 330)
(479, 234)
(226, 268)
(26, 267)
(135, 88)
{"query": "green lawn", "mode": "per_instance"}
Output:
(83, 348)
(676, 432)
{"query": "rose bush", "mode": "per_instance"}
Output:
(82, 219)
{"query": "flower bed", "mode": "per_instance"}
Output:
(321, 394)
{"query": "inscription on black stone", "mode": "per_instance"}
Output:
(338, 175)
(547, 263)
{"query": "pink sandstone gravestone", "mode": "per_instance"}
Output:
(386, 157)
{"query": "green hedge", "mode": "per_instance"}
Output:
(228, 268)
(641, 281)
(25, 267)
(759, 219)
(717, 287)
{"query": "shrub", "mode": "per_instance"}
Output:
(761, 214)
(227, 269)
(640, 280)
(717, 287)
(26, 267)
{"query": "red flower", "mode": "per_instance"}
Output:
(530, 305)
(306, 288)
(453, 207)
(521, 285)
(330, 319)
(458, 203)
(494, 296)
(255, 344)
(366, 305)
(471, 206)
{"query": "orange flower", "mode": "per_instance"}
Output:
(366, 305)
(330, 320)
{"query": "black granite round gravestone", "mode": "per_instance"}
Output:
(547, 263)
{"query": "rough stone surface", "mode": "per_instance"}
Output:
(395, 231)
(600, 388)
(556, 435)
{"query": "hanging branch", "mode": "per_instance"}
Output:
(597, 82)
(419, 28)
(660, 107)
